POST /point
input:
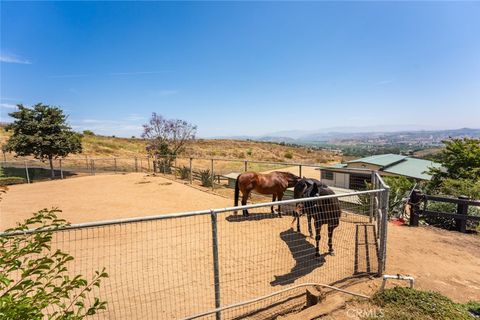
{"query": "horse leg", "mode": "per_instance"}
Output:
(244, 202)
(274, 198)
(330, 239)
(318, 229)
(280, 196)
(309, 220)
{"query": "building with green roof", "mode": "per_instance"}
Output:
(354, 173)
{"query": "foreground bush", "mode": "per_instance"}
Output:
(401, 303)
(34, 279)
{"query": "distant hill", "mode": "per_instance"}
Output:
(333, 135)
(103, 146)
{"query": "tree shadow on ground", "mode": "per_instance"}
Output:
(304, 254)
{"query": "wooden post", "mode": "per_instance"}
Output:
(136, 164)
(300, 170)
(462, 208)
(246, 165)
(61, 169)
(213, 177)
(415, 199)
(191, 171)
(92, 166)
(115, 164)
(148, 161)
(86, 162)
(4, 157)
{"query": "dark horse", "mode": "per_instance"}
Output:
(274, 183)
(323, 211)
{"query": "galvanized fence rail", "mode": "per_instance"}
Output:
(206, 263)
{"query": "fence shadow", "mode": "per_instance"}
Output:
(304, 254)
(366, 249)
(253, 216)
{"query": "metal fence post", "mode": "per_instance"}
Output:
(300, 170)
(191, 171)
(26, 170)
(92, 166)
(383, 231)
(246, 165)
(216, 270)
(372, 197)
(61, 169)
(213, 177)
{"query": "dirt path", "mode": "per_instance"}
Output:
(155, 265)
(102, 197)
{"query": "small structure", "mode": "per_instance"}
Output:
(353, 174)
(231, 178)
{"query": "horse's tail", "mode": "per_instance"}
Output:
(237, 191)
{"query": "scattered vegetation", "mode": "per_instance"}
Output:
(288, 155)
(184, 172)
(34, 279)
(206, 178)
(401, 303)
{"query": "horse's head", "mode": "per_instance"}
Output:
(291, 179)
(304, 188)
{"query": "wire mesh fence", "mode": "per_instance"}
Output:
(218, 169)
(181, 265)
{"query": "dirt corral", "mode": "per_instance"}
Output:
(165, 268)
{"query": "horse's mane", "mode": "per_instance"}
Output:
(289, 174)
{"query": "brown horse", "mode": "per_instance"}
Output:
(274, 183)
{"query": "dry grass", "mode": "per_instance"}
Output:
(103, 146)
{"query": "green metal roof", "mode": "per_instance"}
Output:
(382, 160)
(395, 164)
(412, 167)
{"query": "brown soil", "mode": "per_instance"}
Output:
(164, 267)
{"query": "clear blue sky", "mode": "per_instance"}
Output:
(245, 68)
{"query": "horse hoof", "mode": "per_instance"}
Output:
(331, 253)
(317, 255)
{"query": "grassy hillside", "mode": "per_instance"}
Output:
(102, 146)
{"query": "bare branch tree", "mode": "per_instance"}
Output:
(167, 137)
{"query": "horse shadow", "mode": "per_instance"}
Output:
(252, 216)
(304, 254)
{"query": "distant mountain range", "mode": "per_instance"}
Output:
(347, 133)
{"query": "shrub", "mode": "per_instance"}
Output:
(184, 172)
(249, 152)
(34, 281)
(88, 133)
(288, 155)
(206, 178)
(6, 181)
(401, 303)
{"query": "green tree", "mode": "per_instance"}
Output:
(34, 279)
(42, 131)
(460, 159)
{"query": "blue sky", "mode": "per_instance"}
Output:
(245, 68)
